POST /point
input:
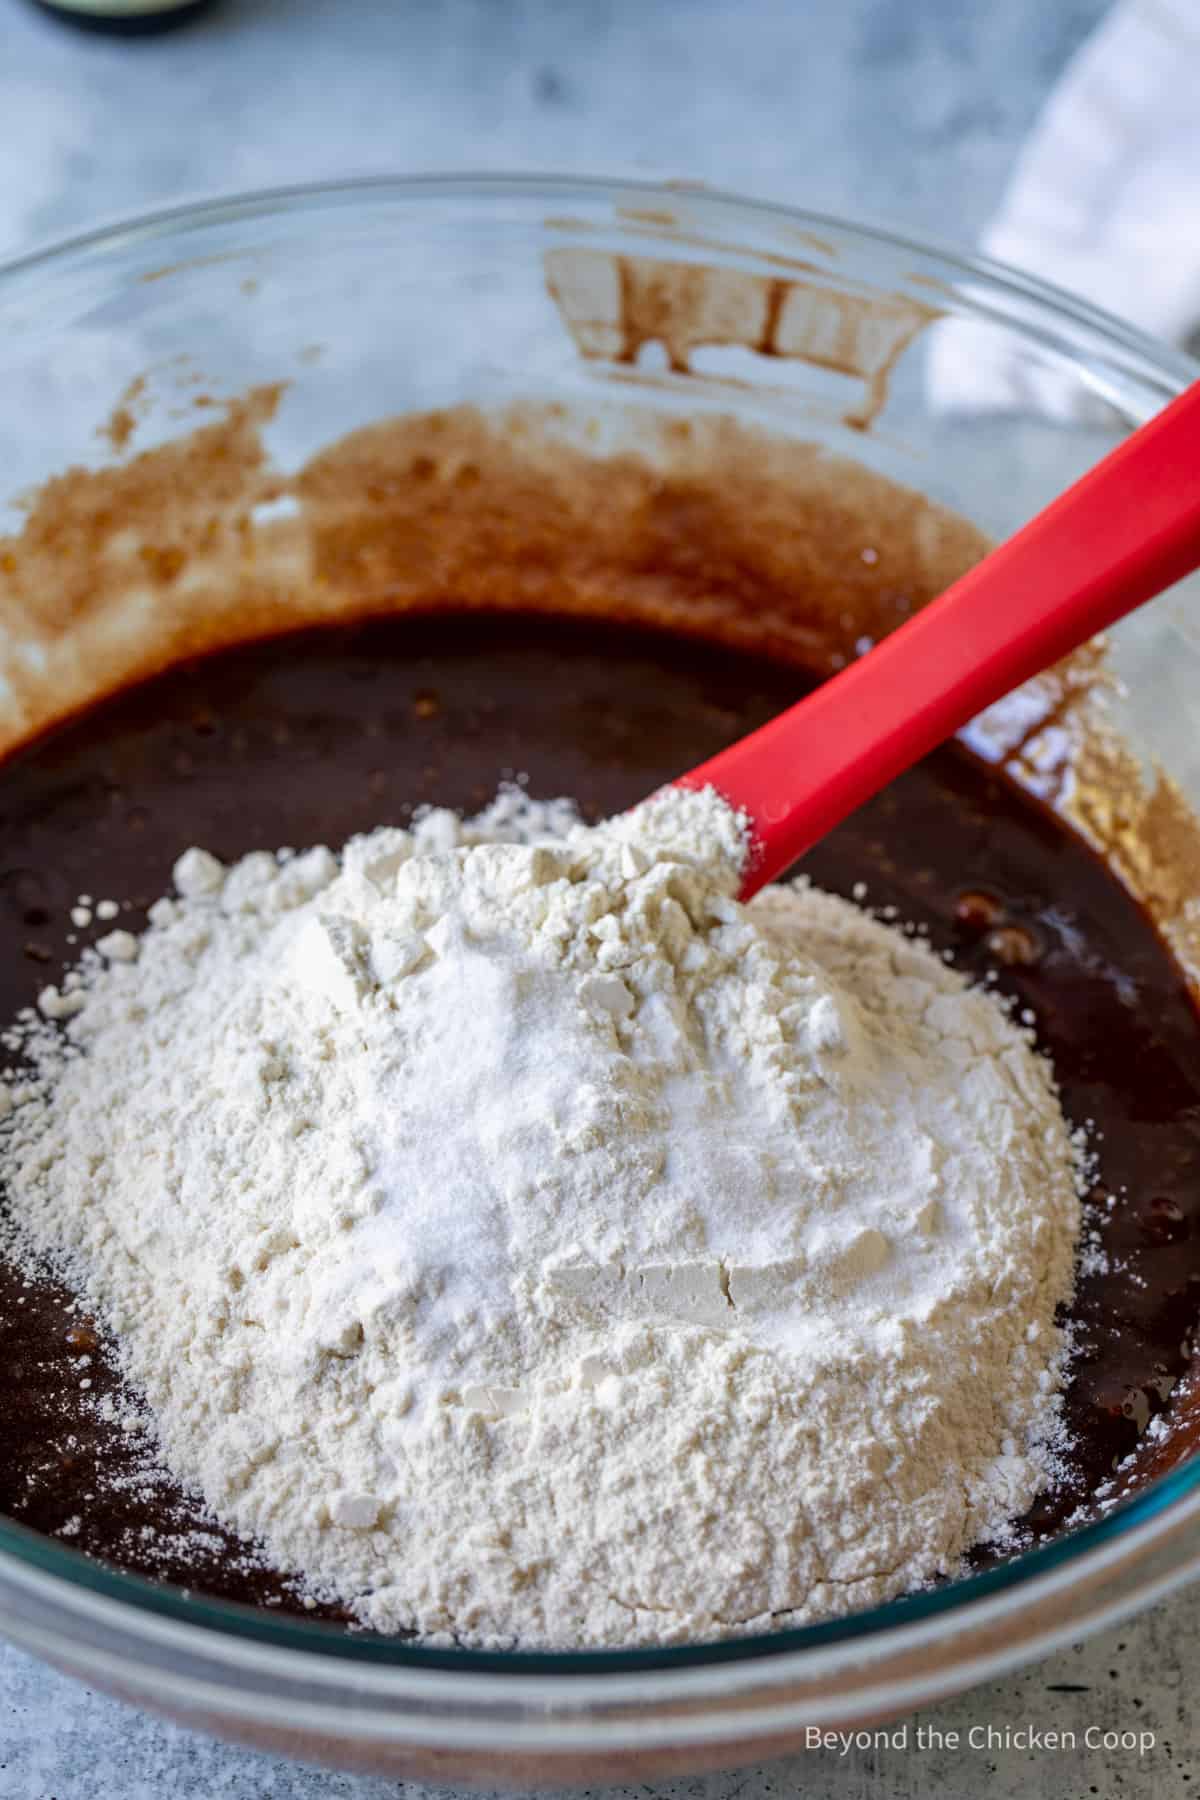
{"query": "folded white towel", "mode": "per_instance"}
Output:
(1104, 200)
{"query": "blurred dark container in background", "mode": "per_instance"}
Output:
(125, 18)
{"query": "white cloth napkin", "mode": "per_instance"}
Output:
(1105, 197)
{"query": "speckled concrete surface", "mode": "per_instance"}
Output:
(904, 108)
(908, 110)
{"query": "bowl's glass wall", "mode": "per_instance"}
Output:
(391, 298)
(374, 300)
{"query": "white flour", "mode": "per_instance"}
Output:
(531, 1244)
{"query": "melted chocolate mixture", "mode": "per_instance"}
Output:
(310, 738)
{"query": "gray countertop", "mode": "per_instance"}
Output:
(907, 110)
(903, 109)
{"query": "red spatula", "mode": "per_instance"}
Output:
(1122, 534)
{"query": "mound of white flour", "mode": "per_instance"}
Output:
(531, 1244)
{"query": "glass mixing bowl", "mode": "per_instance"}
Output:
(978, 386)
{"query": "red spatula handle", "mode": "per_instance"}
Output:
(1123, 533)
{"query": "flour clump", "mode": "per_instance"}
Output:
(530, 1244)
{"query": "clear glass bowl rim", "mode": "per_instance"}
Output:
(1149, 374)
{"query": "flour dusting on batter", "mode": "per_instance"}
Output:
(531, 1244)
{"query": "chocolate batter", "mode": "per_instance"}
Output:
(311, 737)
